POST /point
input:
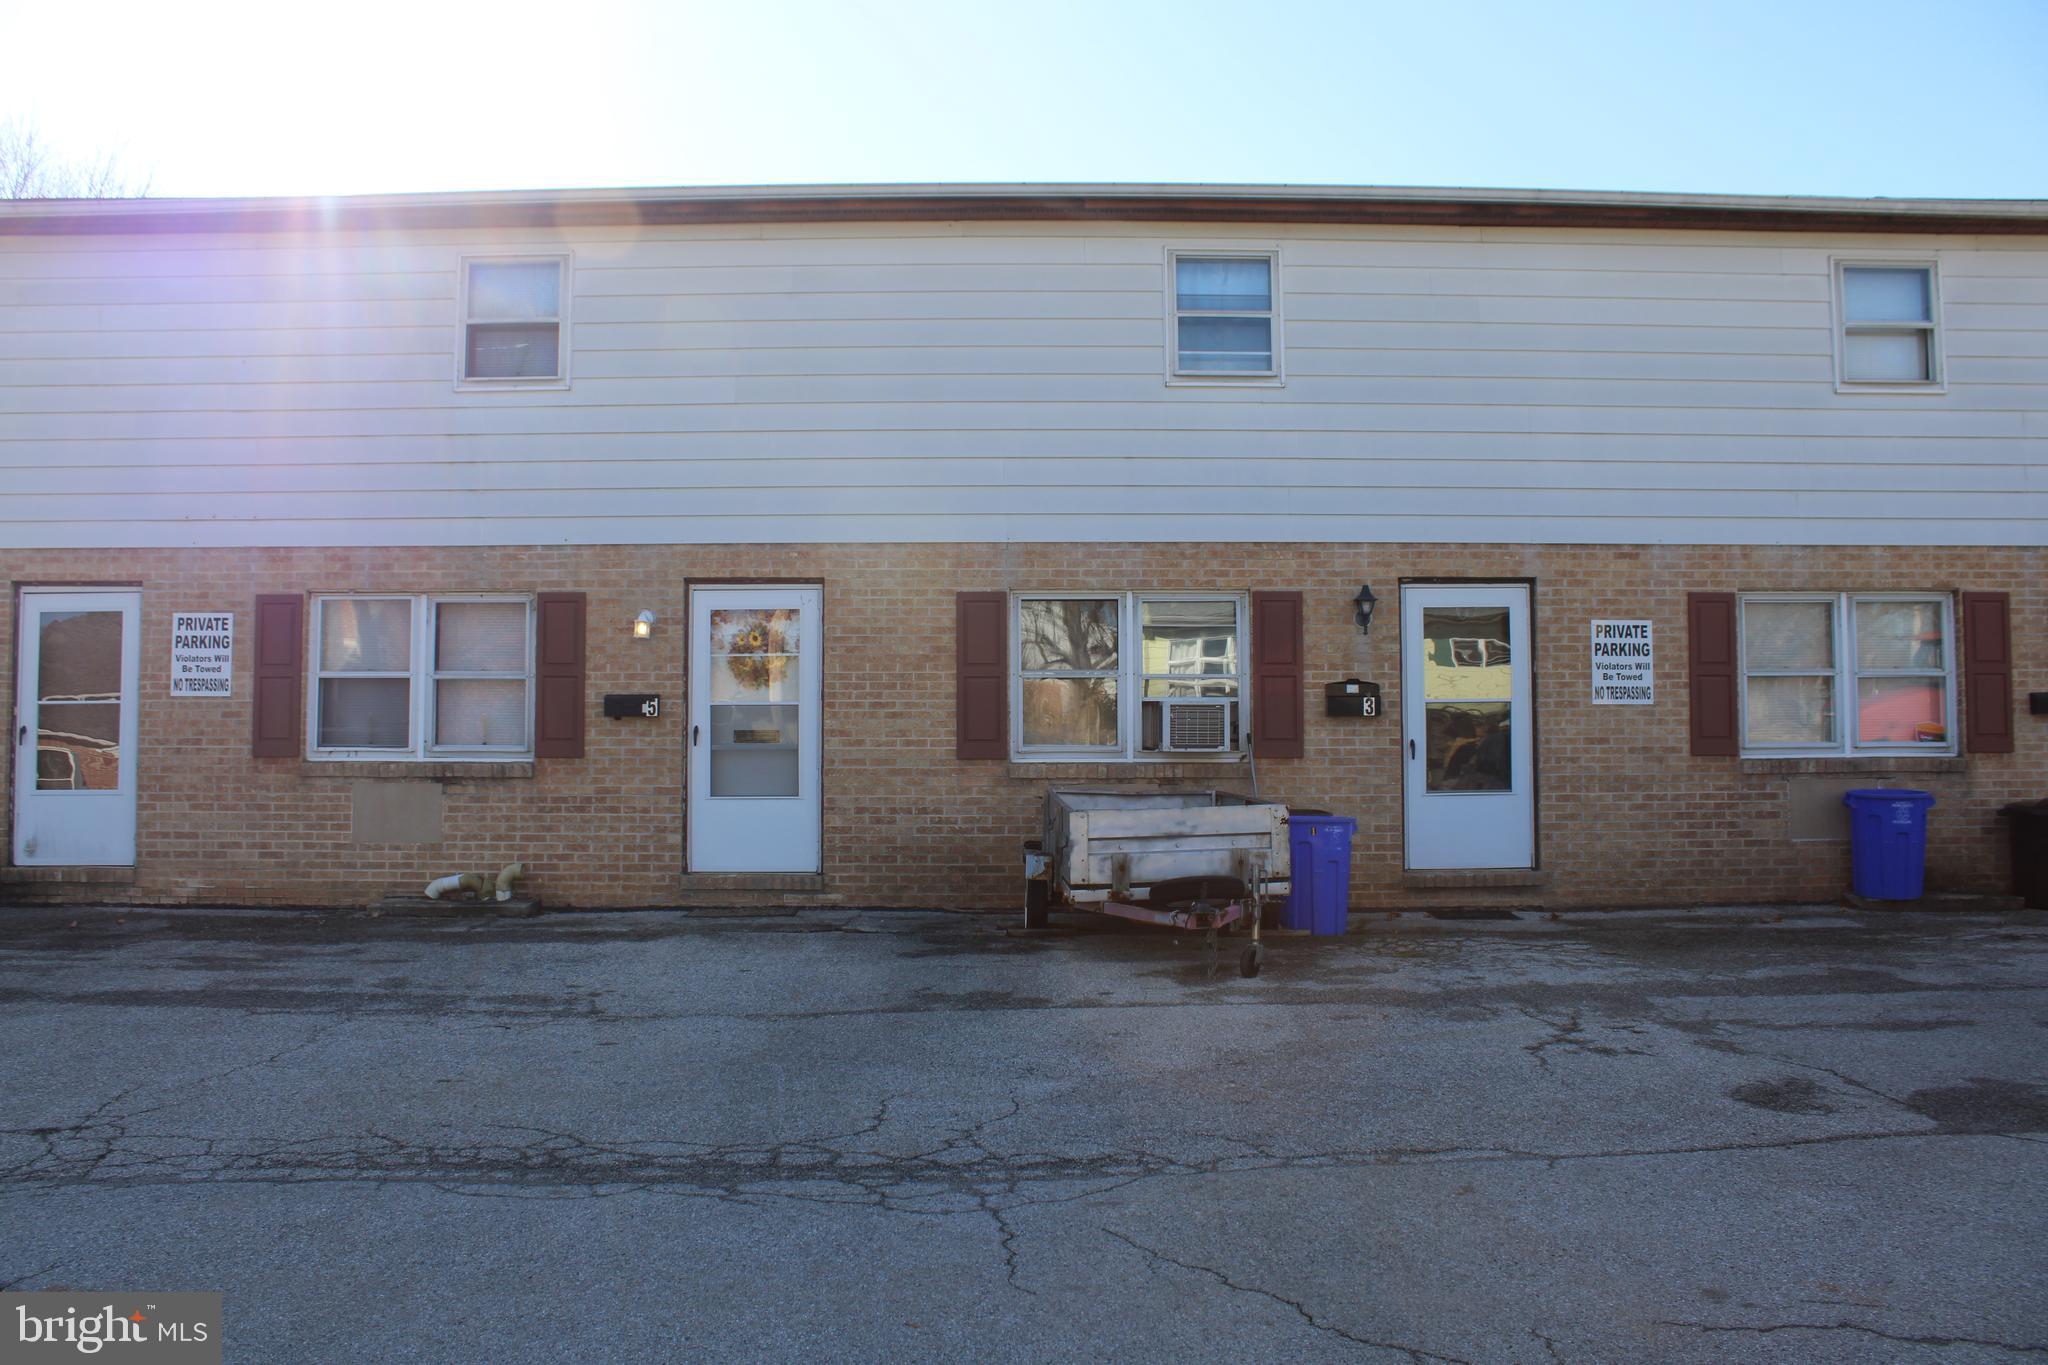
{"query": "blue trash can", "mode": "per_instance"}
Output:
(1888, 841)
(1319, 855)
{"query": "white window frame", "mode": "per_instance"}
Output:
(423, 676)
(1846, 743)
(1130, 677)
(1270, 378)
(1937, 365)
(565, 265)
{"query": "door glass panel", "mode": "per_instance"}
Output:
(1465, 655)
(1471, 746)
(754, 750)
(78, 701)
(755, 688)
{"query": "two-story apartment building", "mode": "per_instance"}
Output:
(691, 546)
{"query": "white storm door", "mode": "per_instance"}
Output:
(756, 659)
(1468, 757)
(74, 729)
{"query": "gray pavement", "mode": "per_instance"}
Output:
(1702, 1136)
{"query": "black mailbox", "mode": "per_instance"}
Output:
(629, 705)
(2037, 703)
(1351, 698)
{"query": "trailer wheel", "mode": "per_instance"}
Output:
(1037, 903)
(1251, 959)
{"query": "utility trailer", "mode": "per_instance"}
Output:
(1198, 860)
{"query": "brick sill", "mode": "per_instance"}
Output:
(1473, 879)
(754, 881)
(1126, 772)
(1850, 766)
(442, 772)
(69, 876)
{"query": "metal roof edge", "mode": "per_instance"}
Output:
(1025, 202)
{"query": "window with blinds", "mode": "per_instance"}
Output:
(1224, 321)
(1887, 333)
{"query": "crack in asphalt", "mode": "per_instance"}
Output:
(1766, 1329)
(1414, 1353)
(1569, 1034)
(957, 1175)
(8, 1285)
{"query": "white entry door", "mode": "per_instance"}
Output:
(755, 665)
(1469, 758)
(74, 735)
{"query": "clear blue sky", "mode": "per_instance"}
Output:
(1738, 96)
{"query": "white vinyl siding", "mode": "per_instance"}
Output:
(421, 677)
(834, 383)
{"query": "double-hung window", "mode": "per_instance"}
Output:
(1887, 334)
(1224, 322)
(1128, 675)
(514, 321)
(1847, 673)
(415, 677)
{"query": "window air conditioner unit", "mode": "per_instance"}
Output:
(1190, 725)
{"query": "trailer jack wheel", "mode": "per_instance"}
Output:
(1251, 959)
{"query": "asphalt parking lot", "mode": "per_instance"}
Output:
(1710, 1136)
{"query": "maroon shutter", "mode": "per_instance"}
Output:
(558, 682)
(1987, 672)
(981, 696)
(1279, 708)
(1710, 646)
(278, 691)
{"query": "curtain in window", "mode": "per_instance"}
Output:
(1231, 285)
(514, 291)
(1885, 295)
(365, 636)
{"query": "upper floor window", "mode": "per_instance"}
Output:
(1845, 673)
(1083, 690)
(1887, 313)
(513, 320)
(422, 677)
(1225, 324)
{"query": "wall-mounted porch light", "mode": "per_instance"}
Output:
(643, 625)
(1366, 602)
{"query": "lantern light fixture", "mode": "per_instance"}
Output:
(1366, 601)
(643, 625)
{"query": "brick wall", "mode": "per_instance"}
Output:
(1626, 816)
